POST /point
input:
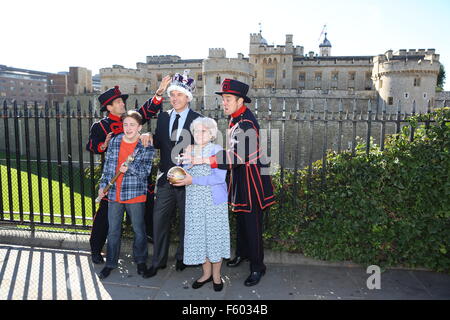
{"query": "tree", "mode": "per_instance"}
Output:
(441, 77)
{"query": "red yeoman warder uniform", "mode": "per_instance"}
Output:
(97, 137)
(250, 188)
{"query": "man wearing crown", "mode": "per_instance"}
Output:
(100, 134)
(171, 136)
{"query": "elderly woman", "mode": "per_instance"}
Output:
(207, 232)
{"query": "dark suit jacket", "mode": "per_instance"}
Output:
(163, 142)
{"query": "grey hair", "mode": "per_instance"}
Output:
(209, 123)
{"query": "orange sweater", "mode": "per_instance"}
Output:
(126, 149)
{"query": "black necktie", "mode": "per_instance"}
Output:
(175, 128)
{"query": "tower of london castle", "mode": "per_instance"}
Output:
(388, 79)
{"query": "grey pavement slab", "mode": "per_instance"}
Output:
(30, 273)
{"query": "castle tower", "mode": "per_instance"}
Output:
(406, 76)
(325, 47)
(218, 67)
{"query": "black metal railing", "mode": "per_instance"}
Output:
(49, 180)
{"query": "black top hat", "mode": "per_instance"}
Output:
(234, 87)
(109, 96)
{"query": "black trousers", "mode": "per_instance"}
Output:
(100, 226)
(249, 240)
(167, 199)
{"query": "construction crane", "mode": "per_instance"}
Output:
(324, 29)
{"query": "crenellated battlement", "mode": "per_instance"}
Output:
(162, 59)
(217, 53)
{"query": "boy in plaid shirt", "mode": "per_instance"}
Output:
(129, 192)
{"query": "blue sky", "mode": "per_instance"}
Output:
(50, 35)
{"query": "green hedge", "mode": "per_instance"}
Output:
(387, 208)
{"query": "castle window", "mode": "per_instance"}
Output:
(390, 101)
(218, 80)
(199, 77)
(368, 76)
(334, 76)
(318, 76)
(301, 76)
(270, 73)
(159, 76)
(406, 95)
(351, 76)
(417, 82)
(284, 74)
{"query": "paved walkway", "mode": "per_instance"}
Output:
(29, 273)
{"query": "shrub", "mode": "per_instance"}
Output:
(388, 207)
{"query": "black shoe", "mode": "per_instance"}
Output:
(180, 266)
(97, 258)
(254, 278)
(218, 287)
(141, 268)
(152, 271)
(105, 273)
(149, 239)
(236, 261)
(197, 284)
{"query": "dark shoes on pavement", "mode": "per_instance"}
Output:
(236, 261)
(105, 273)
(180, 266)
(253, 278)
(198, 284)
(141, 268)
(97, 258)
(218, 287)
(152, 271)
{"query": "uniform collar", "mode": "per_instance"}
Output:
(240, 111)
(113, 117)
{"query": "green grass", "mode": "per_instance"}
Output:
(46, 204)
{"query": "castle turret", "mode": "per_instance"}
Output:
(218, 67)
(406, 76)
(325, 47)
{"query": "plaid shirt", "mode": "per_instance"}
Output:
(134, 181)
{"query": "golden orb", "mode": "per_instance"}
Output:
(176, 174)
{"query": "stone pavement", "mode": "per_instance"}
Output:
(38, 273)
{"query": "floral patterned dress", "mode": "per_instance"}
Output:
(207, 231)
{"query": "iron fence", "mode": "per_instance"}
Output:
(49, 180)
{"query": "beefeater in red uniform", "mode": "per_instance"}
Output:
(101, 132)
